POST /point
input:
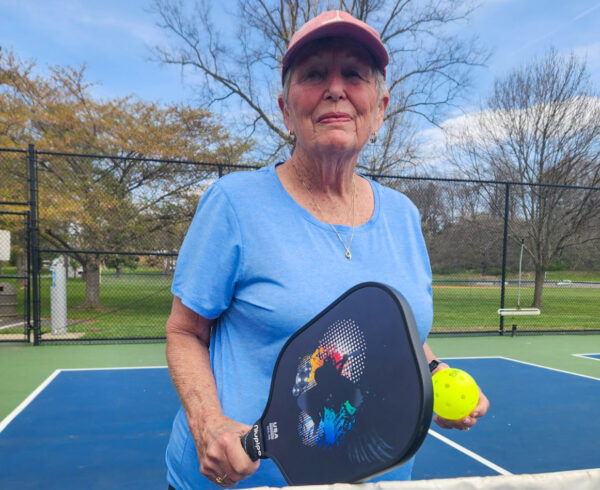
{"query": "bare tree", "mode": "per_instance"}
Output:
(429, 67)
(460, 230)
(541, 125)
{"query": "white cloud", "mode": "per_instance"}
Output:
(436, 140)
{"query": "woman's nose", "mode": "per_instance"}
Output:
(335, 87)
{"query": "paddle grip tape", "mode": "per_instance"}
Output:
(252, 442)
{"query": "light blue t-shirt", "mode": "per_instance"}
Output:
(264, 266)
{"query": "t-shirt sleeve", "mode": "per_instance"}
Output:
(411, 232)
(424, 266)
(209, 261)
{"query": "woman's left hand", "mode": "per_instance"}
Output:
(470, 420)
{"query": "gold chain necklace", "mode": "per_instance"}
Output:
(316, 205)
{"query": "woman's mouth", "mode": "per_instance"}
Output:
(334, 117)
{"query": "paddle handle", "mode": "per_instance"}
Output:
(252, 442)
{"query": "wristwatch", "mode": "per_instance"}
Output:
(433, 365)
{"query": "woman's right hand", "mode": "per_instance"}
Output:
(222, 458)
(220, 453)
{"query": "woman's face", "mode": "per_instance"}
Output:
(332, 103)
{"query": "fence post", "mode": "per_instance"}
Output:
(34, 243)
(28, 272)
(504, 246)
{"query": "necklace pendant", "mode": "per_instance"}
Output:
(348, 254)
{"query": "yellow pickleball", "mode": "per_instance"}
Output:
(455, 393)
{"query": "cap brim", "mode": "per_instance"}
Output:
(339, 29)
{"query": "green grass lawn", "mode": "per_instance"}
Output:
(526, 275)
(132, 306)
(471, 307)
(137, 305)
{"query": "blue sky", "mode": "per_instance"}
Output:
(518, 30)
(114, 38)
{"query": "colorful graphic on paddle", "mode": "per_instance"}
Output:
(351, 392)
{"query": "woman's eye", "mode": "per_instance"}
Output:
(355, 74)
(313, 75)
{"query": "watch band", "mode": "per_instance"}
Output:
(433, 365)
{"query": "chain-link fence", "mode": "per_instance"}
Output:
(94, 295)
(15, 286)
(529, 250)
(553, 234)
(110, 228)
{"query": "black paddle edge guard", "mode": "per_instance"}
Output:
(422, 427)
(252, 441)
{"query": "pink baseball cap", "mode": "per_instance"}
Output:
(336, 23)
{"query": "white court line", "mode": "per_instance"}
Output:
(10, 417)
(471, 454)
(462, 449)
(473, 357)
(528, 363)
(114, 368)
(550, 368)
(587, 356)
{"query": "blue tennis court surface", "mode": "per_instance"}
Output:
(92, 429)
(107, 429)
(541, 420)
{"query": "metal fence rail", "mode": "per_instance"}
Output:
(16, 283)
(106, 229)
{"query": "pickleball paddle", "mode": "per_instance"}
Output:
(351, 393)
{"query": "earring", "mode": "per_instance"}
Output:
(373, 138)
(291, 136)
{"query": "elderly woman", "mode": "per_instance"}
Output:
(269, 249)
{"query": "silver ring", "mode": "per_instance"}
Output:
(221, 479)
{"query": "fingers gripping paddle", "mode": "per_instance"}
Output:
(351, 392)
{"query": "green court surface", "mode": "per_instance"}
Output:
(23, 367)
